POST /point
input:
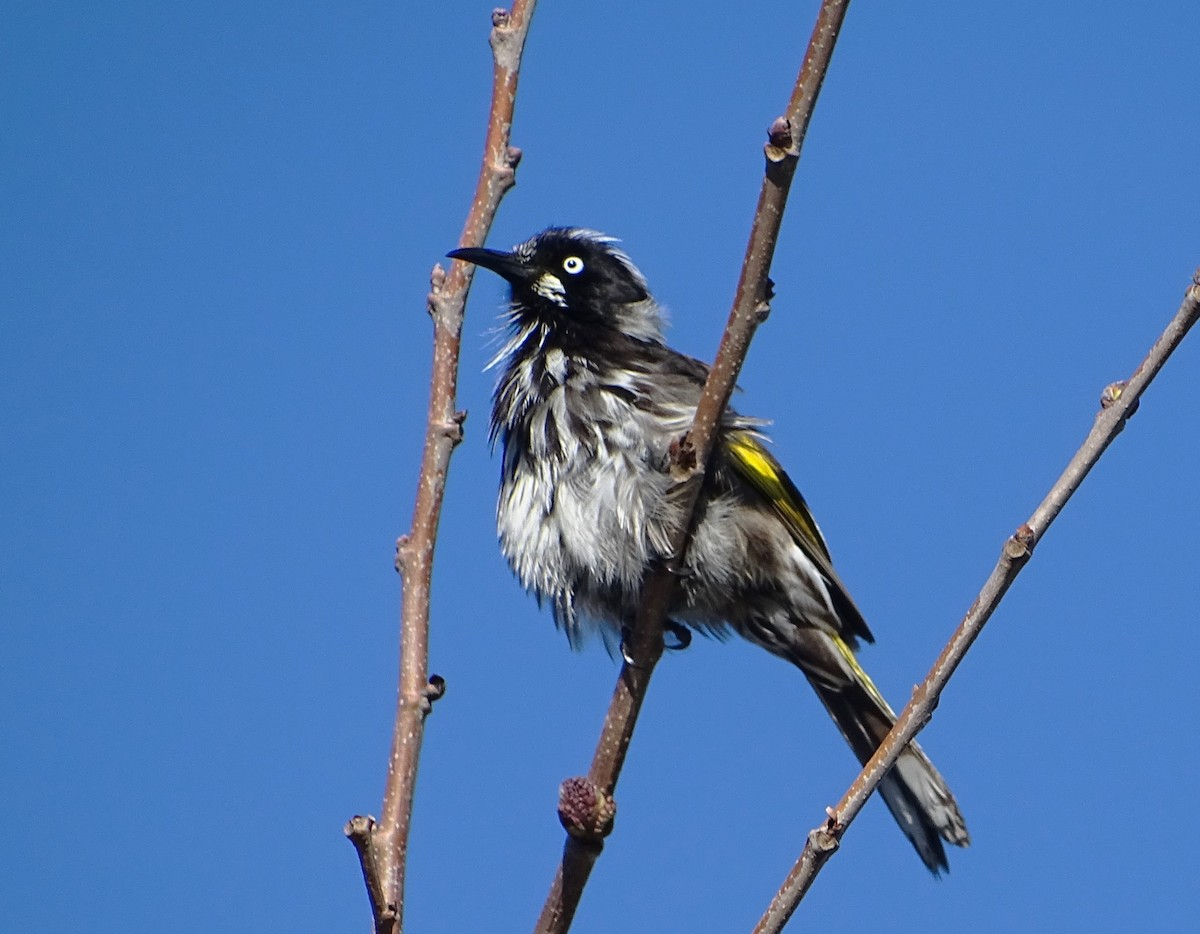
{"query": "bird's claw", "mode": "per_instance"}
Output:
(681, 634)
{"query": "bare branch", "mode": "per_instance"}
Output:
(645, 644)
(1118, 402)
(383, 846)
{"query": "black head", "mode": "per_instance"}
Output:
(569, 277)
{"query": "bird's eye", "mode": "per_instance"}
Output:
(573, 265)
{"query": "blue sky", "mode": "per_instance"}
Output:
(219, 221)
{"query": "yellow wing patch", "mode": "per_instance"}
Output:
(756, 464)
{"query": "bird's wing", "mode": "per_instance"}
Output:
(754, 463)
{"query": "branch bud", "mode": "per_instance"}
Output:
(779, 140)
(585, 812)
(1112, 393)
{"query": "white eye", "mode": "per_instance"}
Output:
(573, 265)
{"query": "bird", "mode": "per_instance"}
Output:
(588, 403)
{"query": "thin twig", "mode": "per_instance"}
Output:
(645, 644)
(1118, 402)
(383, 845)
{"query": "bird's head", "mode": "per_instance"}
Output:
(572, 279)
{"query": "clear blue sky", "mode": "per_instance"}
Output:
(218, 225)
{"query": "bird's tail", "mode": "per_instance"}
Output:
(914, 791)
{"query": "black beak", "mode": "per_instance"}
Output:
(508, 265)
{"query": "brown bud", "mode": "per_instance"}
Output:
(586, 813)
